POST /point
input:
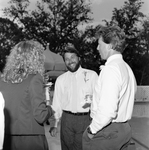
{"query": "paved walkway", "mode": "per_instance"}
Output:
(140, 133)
(53, 142)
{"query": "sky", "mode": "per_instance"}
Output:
(102, 9)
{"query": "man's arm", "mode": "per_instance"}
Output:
(56, 106)
(105, 99)
(41, 112)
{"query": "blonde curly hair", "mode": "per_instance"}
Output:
(25, 58)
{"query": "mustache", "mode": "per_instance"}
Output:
(71, 63)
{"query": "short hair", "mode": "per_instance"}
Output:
(70, 49)
(25, 58)
(112, 35)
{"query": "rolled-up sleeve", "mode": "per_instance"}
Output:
(56, 105)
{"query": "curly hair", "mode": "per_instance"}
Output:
(25, 58)
(112, 35)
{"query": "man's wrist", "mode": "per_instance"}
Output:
(90, 131)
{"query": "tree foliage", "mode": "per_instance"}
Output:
(141, 62)
(53, 21)
(10, 34)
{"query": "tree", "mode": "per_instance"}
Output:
(17, 10)
(10, 35)
(53, 21)
(142, 61)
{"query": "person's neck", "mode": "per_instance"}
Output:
(113, 52)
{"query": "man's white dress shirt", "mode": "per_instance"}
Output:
(114, 94)
(1, 120)
(70, 90)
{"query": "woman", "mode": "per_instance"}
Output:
(22, 87)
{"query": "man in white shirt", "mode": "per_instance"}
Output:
(1, 121)
(71, 102)
(113, 98)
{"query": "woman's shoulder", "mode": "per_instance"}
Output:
(36, 78)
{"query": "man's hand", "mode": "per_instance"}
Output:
(90, 135)
(53, 131)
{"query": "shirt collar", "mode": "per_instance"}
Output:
(113, 57)
(76, 72)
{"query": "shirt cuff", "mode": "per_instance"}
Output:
(53, 122)
(92, 130)
(56, 123)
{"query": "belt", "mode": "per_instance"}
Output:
(120, 122)
(76, 114)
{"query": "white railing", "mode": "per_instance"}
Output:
(142, 94)
(141, 105)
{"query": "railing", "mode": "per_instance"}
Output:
(142, 94)
(141, 108)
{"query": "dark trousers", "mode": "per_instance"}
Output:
(26, 142)
(72, 128)
(112, 137)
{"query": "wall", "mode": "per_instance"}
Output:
(141, 106)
